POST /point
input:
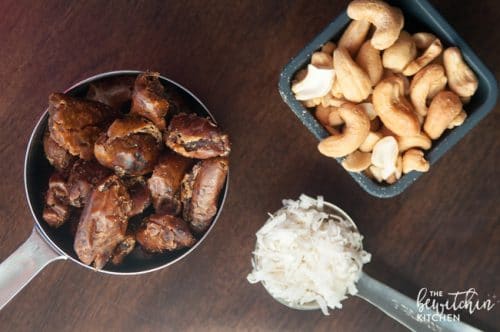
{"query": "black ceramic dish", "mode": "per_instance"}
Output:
(47, 244)
(420, 15)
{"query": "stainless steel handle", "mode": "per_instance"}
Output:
(17, 270)
(403, 309)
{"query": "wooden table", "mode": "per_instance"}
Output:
(442, 233)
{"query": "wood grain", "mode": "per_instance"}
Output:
(442, 233)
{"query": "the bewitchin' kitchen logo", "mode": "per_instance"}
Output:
(447, 305)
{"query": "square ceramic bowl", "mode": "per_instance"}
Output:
(420, 15)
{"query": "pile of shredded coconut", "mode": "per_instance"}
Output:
(304, 254)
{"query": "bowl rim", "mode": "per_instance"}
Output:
(439, 148)
(41, 122)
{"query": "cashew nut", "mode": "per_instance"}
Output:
(384, 155)
(420, 141)
(370, 141)
(354, 36)
(425, 85)
(317, 83)
(322, 114)
(404, 80)
(357, 127)
(391, 179)
(431, 52)
(423, 40)
(375, 172)
(394, 110)
(329, 100)
(413, 160)
(354, 81)
(387, 20)
(400, 54)
(461, 78)
(334, 118)
(357, 161)
(322, 60)
(328, 48)
(444, 108)
(369, 110)
(458, 120)
(369, 60)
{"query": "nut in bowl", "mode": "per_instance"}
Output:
(401, 89)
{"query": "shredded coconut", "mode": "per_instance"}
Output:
(305, 254)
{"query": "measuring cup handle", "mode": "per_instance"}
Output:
(17, 270)
(403, 309)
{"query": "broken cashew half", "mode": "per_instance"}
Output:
(353, 81)
(413, 160)
(388, 21)
(317, 83)
(357, 127)
(385, 155)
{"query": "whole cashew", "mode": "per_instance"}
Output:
(413, 160)
(425, 85)
(400, 54)
(431, 53)
(357, 127)
(354, 81)
(357, 161)
(387, 20)
(395, 111)
(461, 78)
(444, 108)
(354, 36)
(369, 60)
(421, 141)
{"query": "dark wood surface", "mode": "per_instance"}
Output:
(442, 233)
